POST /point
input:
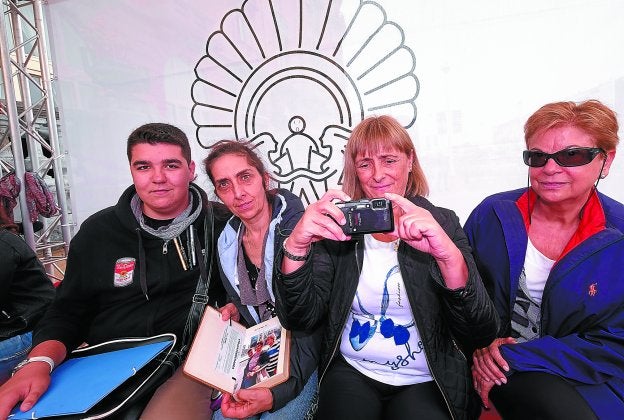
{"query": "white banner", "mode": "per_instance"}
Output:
(462, 77)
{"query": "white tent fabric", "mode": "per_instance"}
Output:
(461, 76)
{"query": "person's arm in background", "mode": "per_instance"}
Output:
(8, 265)
(58, 331)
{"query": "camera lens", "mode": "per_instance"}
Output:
(378, 204)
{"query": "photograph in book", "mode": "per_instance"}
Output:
(228, 356)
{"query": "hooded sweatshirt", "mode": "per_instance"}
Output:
(101, 296)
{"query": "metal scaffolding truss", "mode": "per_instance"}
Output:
(28, 118)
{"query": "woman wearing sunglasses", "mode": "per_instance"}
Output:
(396, 306)
(551, 255)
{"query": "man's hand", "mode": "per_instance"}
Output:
(248, 402)
(28, 384)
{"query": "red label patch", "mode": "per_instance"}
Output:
(124, 271)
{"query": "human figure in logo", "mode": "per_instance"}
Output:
(397, 307)
(550, 254)
(299, 157)
(124, 277)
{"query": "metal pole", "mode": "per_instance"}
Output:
(59, 177)
(16, 139)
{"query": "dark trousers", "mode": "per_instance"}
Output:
(539, 396)
(346, 394)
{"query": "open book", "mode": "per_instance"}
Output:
(228, 356)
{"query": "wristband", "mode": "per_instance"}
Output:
(292, 256)
(23, 363)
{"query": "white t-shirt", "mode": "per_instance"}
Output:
(380, 338)
(536, 269)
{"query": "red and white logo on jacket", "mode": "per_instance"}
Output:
(124, 271)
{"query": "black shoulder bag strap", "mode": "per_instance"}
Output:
(200, 298)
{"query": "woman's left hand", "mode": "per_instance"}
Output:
(488, 368)
(483, 387)
(417, 228)
(489, 363)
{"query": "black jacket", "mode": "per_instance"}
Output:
(25, 289)
(323, 290)
(305, 347)
(93, 306)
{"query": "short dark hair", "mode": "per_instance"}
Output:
(155, 133)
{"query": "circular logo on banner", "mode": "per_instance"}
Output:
(293, 78)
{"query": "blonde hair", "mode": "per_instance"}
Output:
(370, 137)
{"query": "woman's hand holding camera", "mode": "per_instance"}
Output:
(321, 220)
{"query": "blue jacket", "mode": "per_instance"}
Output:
(304, 354)
(582, 313)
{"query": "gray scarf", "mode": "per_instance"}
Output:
(178, 225)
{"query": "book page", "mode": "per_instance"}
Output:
(229, 351)
(215, 352)
(228, 357)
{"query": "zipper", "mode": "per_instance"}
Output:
(448, 405)
(458, 349)
(165, 243)
(419, 327)
(344, 322)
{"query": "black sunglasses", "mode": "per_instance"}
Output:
(574, 156)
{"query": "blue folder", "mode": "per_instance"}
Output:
(80, 383)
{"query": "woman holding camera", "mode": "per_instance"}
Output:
(392, 303)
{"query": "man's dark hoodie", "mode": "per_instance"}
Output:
(101, 296)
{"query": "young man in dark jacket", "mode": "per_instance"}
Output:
(126, 276)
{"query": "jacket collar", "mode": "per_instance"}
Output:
(227, 245)
(593, 219)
